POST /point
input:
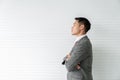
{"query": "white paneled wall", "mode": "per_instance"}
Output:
(36, 34)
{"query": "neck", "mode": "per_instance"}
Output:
(80, 34)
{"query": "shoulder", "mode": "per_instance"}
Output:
(84, 42)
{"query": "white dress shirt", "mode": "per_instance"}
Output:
(79, 37)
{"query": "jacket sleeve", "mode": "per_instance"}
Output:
(63, 62)
(80, 53)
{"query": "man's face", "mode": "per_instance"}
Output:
(75, 28)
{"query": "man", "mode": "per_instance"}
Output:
(79, 61)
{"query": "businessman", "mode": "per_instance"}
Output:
(79, 61)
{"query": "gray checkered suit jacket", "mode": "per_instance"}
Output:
(80, 53)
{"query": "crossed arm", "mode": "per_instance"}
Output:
(68, 56)
(79, 54)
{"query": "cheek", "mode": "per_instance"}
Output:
(75, 29)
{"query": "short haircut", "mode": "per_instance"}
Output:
(84, 21)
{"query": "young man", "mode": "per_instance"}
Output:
(79, 61)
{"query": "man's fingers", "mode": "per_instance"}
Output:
(78, 67)
(68, 56)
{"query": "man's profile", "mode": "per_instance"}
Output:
(79, 61)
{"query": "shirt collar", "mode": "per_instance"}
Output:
(79, 37)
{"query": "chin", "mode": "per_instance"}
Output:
(73, 33)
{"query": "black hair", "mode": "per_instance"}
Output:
(84, 21)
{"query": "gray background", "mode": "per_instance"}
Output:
(36, 34)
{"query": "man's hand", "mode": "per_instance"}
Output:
(68, 57)
(78, 66)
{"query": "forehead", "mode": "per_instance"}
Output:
(76, 22)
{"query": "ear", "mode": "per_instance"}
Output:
(82, 26)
